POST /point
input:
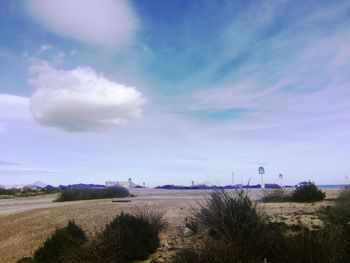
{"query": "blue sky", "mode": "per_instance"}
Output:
(174, 91)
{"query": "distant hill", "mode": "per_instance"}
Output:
(40, 184)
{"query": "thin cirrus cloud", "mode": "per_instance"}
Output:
(81, 100)
(106, 23)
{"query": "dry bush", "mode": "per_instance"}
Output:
(239, 232)
(276, 196)
(340, 212)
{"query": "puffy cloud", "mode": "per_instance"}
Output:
(81, 100)
(102, 22)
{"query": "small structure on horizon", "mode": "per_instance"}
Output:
(126, 184)
(262, 172)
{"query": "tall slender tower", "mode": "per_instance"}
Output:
(261, 172)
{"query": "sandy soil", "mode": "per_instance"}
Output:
(26, 222)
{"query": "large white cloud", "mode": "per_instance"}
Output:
(80, 99)
(102, 22)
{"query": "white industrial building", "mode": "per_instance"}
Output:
(126, 184)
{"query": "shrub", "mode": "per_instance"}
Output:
(232, 216)
(340, 212)
(61, 241)
(276, 196)
(155, 218)
(237, 226)
(11, 191)
(323, 246)
(128, 237)
(307, 192)
(243, 234)
(73, 194)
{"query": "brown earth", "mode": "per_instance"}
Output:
(26, 222)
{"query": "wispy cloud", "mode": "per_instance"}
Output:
(8, 163)
(45, 47)
(288, 82)
(24, 171)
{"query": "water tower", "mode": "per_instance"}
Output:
(262, 172)
(280, 176)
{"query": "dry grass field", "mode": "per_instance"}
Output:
(26, 222)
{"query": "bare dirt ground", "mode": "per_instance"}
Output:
(26, 222)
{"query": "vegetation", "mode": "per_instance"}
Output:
(304, 192)
(307, 192)
(63, 239)
(74, 194)
(12, 191)
(126, 238)
(236, 231)
(24, 192)
(339, 214)
(240, 232)
(276, 196)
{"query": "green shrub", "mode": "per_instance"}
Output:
(276, 196)
(11, 191)
(307, 192)
(62, 240)
(126, 238)
(129, 237)
(74, 194)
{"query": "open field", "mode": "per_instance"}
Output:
(26, 222)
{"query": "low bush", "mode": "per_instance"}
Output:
(232, 215)
(276, 196)
(241, 233)
(339, 213)
(129, 237)
(323, 246)
(126, 238)
(74, 194)
(236, 225)
(307, 192)
(12, 191)
(62, 240)
(154, 217)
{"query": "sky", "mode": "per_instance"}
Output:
(174, 91)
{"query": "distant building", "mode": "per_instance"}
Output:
(126, 184)
(29, 187)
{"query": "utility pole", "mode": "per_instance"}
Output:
(233, 178)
